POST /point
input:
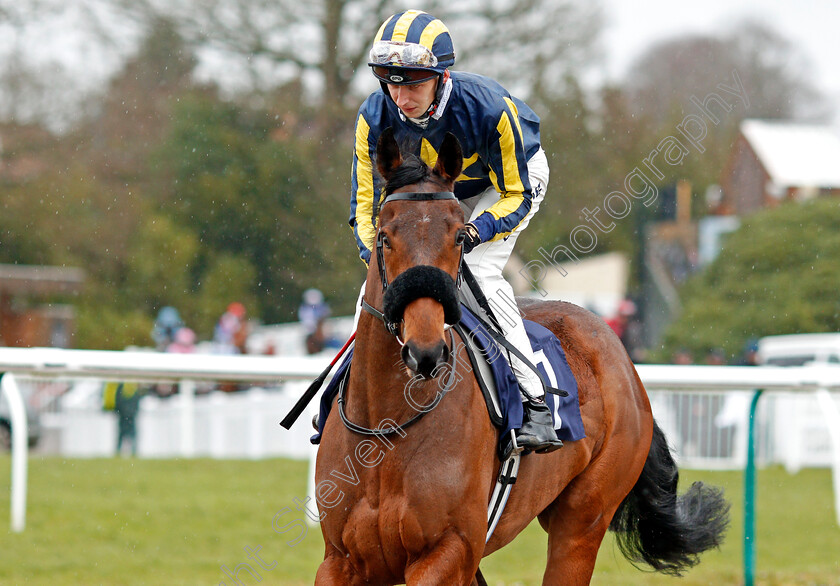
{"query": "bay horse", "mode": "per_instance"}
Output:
(408, 457)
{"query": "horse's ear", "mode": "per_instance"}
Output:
(450, 159)
(388, 156)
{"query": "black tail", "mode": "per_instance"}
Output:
(667, 532)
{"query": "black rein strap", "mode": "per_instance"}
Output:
(398, 428)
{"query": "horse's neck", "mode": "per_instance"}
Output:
(377, 376)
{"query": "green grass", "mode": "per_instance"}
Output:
(112, 521)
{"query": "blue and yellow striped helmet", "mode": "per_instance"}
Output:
(411, 47)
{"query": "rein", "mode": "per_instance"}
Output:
(451, 380)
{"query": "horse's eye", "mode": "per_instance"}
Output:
(385, 242)
(460, 237)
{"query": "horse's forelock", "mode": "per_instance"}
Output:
(413, 170)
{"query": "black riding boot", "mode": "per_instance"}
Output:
(537, 432)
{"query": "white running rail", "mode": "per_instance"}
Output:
(188, 368)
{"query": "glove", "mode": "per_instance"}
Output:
(471, 237)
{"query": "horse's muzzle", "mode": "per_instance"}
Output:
(425, 361)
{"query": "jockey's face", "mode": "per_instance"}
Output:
(414, 100)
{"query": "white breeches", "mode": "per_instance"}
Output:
(487, 260)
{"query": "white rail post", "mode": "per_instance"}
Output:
(187, 391)
(832, 418)
(17, 411)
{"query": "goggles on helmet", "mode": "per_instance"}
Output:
(401, 54)
(400, 76)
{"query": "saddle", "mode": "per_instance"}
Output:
(500, 387)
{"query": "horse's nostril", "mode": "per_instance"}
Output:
(426, 361)
(444, 358)
(408, 357)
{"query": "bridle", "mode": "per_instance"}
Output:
(407, 196)
(404, 292)
(386, 317)
(448, 386)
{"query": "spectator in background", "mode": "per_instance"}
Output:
(313, 310)
(682, 356)
(313, 313)
(628, 328)
(716, 357)
(749, 355)
(231, 331)
(184, 342)
(167, 323)
(124, 400)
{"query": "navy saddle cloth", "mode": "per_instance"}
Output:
(551, 361)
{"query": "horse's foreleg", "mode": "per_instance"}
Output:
(335, 570)
(454, 560)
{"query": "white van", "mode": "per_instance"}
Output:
(799, 349)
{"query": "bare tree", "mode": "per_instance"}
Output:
(54, 58)
(772, 70)
(259, 45)
(532, 44)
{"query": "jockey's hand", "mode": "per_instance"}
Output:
(472, 239)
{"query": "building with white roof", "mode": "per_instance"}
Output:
(775, 161)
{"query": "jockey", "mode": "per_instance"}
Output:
(500, 189)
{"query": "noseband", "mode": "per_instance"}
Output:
(416, 282)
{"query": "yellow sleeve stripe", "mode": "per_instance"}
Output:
(510, 167)
(430, 156)
(505, 206)
(364, 182)
(401, 28)
(515, 111)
